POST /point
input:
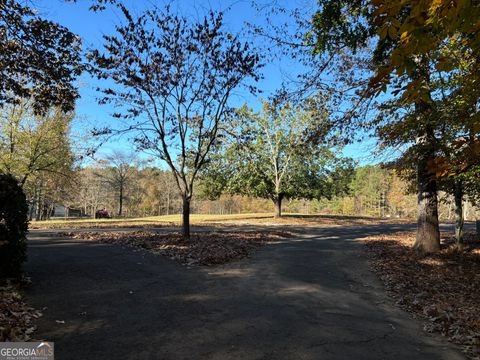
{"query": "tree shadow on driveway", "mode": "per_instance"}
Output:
(307, 297)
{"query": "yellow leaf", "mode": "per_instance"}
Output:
(435, 5)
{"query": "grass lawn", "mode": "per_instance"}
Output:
(150, 221)
(203, 219)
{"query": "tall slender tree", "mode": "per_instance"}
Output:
(120, 168)
(174, 78)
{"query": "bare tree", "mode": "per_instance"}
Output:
(88, 190)
(120, 168)
(174, 79)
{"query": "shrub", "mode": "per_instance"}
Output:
(13, 227)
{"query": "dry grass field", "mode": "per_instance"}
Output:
(211, 219)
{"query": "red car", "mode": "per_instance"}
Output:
(102, 214)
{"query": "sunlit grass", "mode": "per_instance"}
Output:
(199, 219)
(162, 218)
(150, 220)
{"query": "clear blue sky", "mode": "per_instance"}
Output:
(91, 26)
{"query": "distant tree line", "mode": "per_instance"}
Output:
(371, 190)
(36, 150)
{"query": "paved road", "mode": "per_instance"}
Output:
(311, 297)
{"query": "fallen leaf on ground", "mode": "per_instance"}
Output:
(205, 248)
(441, 288)
(16, 317)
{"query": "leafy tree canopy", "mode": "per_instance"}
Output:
(39, 59)
(33, 144)
(274, 156)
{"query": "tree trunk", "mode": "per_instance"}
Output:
(120, 201)
(32, 209)
(39, 205)
(459, 218)
(186, 218)
(278, 205)
(428, 232)
(168, 203)
(33, 204)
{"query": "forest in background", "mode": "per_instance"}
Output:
(147, 191)
(38, 150)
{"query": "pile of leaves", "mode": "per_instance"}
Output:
(16, 317)
(205, 248)
(443, 288)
